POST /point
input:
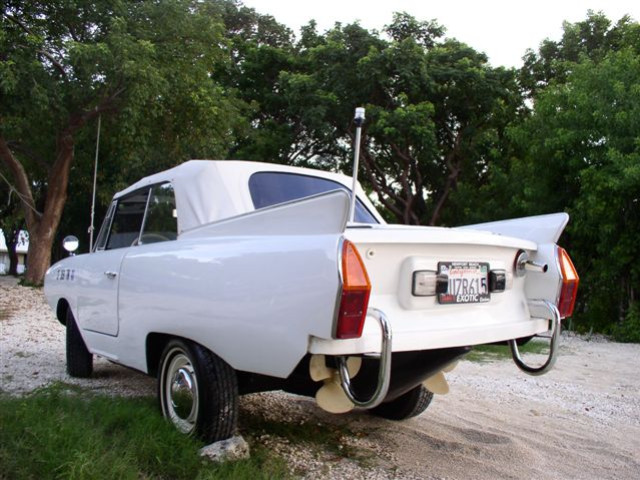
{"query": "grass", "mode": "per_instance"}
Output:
(489, 353)
(64, 432)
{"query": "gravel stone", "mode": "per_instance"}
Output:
(229, 450)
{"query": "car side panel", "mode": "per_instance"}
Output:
(252, 289)
(252, 301)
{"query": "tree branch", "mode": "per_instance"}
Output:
(27, 152)
(22, 187)
(451, 179)
(380, 186)
(48, 55)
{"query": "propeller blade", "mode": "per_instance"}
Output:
(331, 398)
(318, 368)
(437, 384)
(450, 367)
(353, 366)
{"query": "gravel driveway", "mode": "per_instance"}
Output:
(582, 420)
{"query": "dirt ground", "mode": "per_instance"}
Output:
(582, 420)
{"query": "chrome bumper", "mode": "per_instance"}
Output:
(384, 369)
(554, 317)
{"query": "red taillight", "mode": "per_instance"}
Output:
(570, 280)
(355, 294)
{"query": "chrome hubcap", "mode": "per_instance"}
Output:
(181, 392)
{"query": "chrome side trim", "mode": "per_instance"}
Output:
(384, 371)
(554, 316)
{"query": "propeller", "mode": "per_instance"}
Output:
(451, 366)
(330, 396)
(437, 384)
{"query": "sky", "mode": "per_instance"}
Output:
(502, 29)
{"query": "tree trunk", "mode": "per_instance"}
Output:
(38, 258)
(12, 243)
(42, 226)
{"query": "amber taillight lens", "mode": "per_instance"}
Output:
(356, 289)
(570, 281)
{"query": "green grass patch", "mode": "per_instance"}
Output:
(491, 353)
(64, 432)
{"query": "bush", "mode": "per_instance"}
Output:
(629, 330)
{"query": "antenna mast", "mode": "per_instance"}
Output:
(358, 120)
(95, 177)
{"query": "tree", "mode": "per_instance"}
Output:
(11, 224)
(592, 38)
(583, 156)
(145, 64)
(436, 111)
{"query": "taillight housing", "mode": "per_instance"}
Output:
(569, 286)
(354, 299)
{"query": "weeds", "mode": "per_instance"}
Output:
(64, 432)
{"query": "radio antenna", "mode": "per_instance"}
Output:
(358, 120)
(95, 177)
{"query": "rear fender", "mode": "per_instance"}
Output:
(540, 229)
(322, 214)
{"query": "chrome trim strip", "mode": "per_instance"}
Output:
(384, 371)
(553, 341)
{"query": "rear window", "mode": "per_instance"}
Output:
(272, 188)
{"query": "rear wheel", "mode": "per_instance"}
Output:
(79, 358)
(411, 404)
(198, 391)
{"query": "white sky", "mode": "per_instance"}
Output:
(502, 29)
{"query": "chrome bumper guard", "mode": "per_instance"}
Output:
(554, 317)
(384, 371)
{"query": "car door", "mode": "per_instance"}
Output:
(100, 276)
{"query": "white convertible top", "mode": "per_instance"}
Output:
(211, 190)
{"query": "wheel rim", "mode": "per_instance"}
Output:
(180, 392)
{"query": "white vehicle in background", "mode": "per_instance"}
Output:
(226, 277)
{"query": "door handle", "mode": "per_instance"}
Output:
(110, 274)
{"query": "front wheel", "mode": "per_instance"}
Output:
(411, 404)
(79, 358)
(198, 391)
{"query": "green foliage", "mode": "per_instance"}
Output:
(591, 39)
(583, 156)
(436, 111)
(62, 432)
(149, 68)
(578, 151)
(629, 330)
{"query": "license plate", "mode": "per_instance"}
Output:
(468, 282)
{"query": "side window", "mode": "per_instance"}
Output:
(129, 212)
(271, 188)
(161, 222)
